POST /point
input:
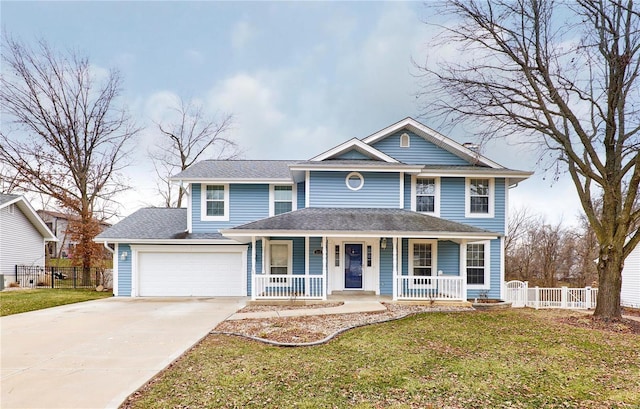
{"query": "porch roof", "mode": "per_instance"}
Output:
(362, 222)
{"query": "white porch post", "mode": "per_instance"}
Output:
(324, 268)
(253, 267)
(306, 266)
(264, 255)
(394, 274)
(463, 269)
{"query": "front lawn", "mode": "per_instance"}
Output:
(17, 301)
(510, 359)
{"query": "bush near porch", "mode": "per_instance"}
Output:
(17, 301)
(506, 359)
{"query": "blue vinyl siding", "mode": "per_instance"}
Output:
(124, 271)
(301, 195)
(407, 192)
(380, 190)
(452, 205)
(258, 263)
(386, 269)
(449, 258)
(247, 203)
(420, 151)
(353, 154)
(315, 260)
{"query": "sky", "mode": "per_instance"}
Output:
(299, 77)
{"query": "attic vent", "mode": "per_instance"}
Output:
(472, 146)
(404, 140)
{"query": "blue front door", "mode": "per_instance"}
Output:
(353, 266)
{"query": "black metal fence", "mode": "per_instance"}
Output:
(61, 277)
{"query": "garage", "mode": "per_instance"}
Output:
(193, 271)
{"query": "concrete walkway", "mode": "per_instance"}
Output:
(347, 308)
(95, 354)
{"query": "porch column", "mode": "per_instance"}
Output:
(394, 274)
(306, 267)
(463, 269)
(253, 267)
(324, 268)
(264, 255)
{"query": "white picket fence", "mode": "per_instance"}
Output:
(521, 295)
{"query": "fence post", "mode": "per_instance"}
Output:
(587, 297)
(75, 276)
(537, 301)
(16, 273)
(53, 277)
(564, 295)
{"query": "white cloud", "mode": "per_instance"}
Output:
(241, 34)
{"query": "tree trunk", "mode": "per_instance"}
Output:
(610, 266)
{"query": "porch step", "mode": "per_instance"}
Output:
(353, 292)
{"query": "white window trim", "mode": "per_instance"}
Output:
(434, 260)
(414, 188)
(203, 203)
(487, 266)
(358, 174)
(289, 244)
(467, 199)
(272, 196)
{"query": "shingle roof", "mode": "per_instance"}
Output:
(358, 220)
(153, 223)
(237, 169)
(5, 198)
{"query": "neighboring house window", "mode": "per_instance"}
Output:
(422, 260)
(479, 197)
(215, 202)
(282, 199)
(354, 181)
(404, 140)
(426, 195)
(280, 259)
(478, 265)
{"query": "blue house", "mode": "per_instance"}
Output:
(405, 212)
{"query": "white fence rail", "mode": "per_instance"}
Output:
(286, 287)
(438, 288)
(521, 295)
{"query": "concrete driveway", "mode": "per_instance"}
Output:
(94, 354)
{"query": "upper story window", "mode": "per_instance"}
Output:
(215, 202)
(478, 265)
(426, 195)
(354, 181)
(282, 199)
(479, 197)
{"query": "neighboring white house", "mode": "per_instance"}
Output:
(630, 294)
(23, 235)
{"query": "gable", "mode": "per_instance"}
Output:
(353, 154)
(419, 151)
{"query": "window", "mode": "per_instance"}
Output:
(404, 140)
(422, 261)
(354, 181)
(369, 256)
(337, 256)
(279, 260)
(479, 197)
(425, 195)
(215, 202)
(478, 265)
(282, 199)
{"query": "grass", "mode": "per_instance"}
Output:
(510, 359)
(15, 302)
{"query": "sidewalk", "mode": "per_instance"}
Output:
(348, 307)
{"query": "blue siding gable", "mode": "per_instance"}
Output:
(353, 154)
(419, 152)
(328, 189)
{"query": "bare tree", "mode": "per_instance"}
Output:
(563, 74)
(190, 137)
(64, 134)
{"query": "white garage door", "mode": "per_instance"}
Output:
(190, 274)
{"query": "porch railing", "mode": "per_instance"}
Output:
(286, 287)
(440, 288)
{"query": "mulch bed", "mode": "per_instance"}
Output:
(284, 307)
